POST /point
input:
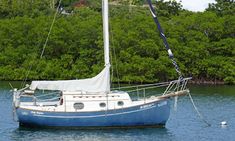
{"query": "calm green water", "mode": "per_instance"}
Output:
(216, 103)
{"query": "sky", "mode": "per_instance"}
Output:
(195, 5)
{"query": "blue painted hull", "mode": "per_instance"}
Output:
(151, 114)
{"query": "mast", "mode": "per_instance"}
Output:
(106, 32)
(106, 39)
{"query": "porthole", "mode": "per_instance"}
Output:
(120, 103)
(78, 106)
(102, 104)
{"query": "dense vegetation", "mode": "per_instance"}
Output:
(203, 42)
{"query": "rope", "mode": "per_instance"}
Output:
(197, 111)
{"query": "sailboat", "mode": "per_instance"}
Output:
(91, 103)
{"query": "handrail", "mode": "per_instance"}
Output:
(146, 88)
(53, 93)
(146, 85)
(171, 87)
(37, 98)
(47, 100)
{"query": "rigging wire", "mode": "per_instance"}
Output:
(116, 66)
(45, 44)
(114, 59)
(52, 24)
(27, 74)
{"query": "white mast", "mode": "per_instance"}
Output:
(106, 31)
(106, 38)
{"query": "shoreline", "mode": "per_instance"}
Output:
(208, 82)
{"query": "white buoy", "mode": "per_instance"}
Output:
(223, 123)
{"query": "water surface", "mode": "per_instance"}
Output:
(215, 103)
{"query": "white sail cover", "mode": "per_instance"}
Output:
(97, 84)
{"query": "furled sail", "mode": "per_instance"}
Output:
(97, 84)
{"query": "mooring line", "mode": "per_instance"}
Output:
(197, 111)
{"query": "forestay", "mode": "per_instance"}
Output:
(97, 84)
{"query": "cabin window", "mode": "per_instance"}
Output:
(120, 103)
(102, 104)
(78, 106)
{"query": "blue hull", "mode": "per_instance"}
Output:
(151, 114)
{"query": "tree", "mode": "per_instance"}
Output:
(222, 7)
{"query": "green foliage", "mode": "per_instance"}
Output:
(203, 43)
(31, 8)
(223, 7)
(168, 8)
